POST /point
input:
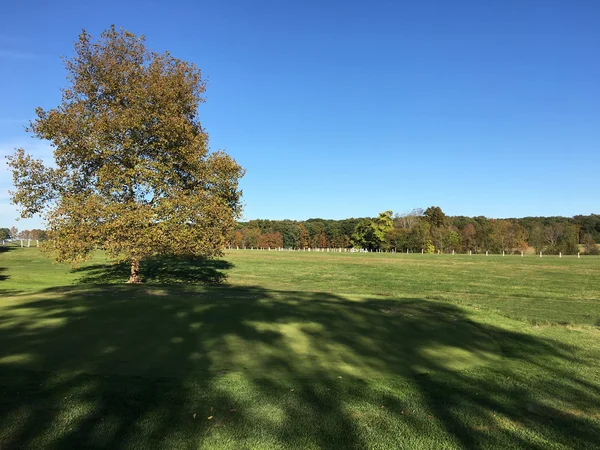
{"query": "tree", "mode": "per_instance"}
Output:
(451, 239)
(435, 216)
(238, 239)
(133, 173)
(589, 245)
(251, 236)
(14, 232)
(408, 220)
(589, 225)
(396, 239)
(536, 237)
(270, 240)
(483, 233)
(468, 237)
(569, 240)
(370, 234)
(553, 233)
(304, 239)
(4, 233)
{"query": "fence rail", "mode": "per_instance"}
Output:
(422, 252)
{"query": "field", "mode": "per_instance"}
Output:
(301, 350)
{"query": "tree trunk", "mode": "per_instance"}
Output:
(135, 271)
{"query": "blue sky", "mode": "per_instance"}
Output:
(345, 109)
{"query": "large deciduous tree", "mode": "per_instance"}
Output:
(133, 173)
(370, 234)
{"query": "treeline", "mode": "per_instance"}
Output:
(429, 230)
(14, 234)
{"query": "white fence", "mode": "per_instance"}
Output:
(363, 250)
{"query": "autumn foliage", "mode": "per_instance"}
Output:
(132, 169)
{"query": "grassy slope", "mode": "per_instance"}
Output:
(310, 350)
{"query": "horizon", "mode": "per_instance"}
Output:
(345, 111)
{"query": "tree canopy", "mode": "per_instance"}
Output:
(370, 234)
(414, 232)
(133, 173)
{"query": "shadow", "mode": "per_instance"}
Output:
(2, 276)
(163, 269)
(172, 366)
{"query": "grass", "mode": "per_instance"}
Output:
(301, 350)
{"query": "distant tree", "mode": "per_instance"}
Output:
(507, 235)
(569, 242)
(251, 237)
(347, 242)
(289, 232)
(397, 239)
(238, 239)
(589, 245)
(483, 233)
(133, 172)
(320, 240)
(428, 246)
(419, 237)
(451, 239)
(370, 234)
(36, 234)
(270, 240)
(435, 216)
(536, 237)
(364, 235)
(468, 235)
(4, 233)
(304, 237)
(553, 233)
(589, 225)
(437, 237)
(334, 234)
(408, 220)
(14, 232)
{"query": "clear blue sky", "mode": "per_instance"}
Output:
(345, 109)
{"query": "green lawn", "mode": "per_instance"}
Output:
(301, 350)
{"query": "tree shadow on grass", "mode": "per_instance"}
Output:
(181, 366)
(159, 269)
(4, 249)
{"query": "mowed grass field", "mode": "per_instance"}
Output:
(301, 350)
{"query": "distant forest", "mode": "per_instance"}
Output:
(428, 230)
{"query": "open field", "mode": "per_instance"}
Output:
(301, 350)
